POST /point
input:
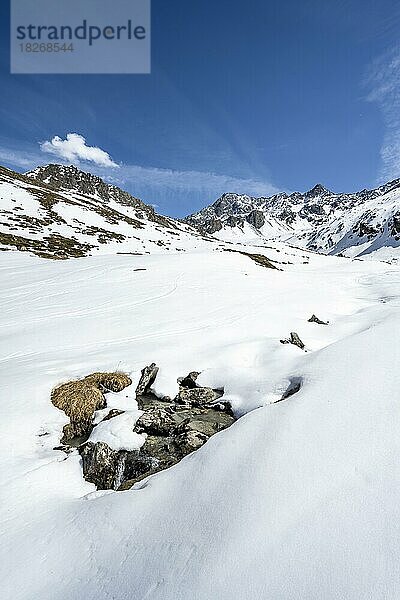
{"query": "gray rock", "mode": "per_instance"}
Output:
(190, 440)
(198, 396)
(190, 380)
(233, 221)
(102, 465)
(212, 227)
(147, 379)
(157, 421)
(314, 319)
(295, 340)
(256, 218)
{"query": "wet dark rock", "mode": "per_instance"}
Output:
(315, 319)
(105, 467)
(174, 428)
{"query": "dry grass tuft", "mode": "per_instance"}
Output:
(81, 398)
(110, 382)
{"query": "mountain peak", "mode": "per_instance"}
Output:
(59, 211)
(319, 219)
(66, 176)
(317, 190)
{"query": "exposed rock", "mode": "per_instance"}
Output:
(157, 421)
(81, 398)
(193, 427)
(365, 229)
(189, 381)
(67, 449)
(260, 259)
(147, 379)
(256, 218)
(295, 340)
(314, 319)
(105, 467)
(190, 440)
(321, 220)
(174, 428)
(197, 396)
(395, 225)
(233, 221)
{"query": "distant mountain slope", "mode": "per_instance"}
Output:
(58, 211)
(320, 220)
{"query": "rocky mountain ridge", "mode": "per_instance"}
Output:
(59, 211)
(354, 224)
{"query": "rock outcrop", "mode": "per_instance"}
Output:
(173, 428)
(315, 319)
(256, 218)
(295, 340)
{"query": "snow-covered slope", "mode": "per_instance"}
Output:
(359, 224)
(296, 500)
(59, 211)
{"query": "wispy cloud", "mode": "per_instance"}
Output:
(174, 192)
(75, 150)
(19, 159)
(178, 193)
(199, 181)
(383, 81)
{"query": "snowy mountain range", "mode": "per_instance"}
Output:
(59, 211)
(359, 224)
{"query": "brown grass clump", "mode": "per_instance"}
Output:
(259, 259)
(110, 382)
(81, 398)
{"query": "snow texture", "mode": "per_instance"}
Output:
(297, 499)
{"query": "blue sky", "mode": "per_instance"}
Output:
(251, 97)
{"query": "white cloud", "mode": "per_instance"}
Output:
(75, 150)
(384, 83)
(174, 192)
